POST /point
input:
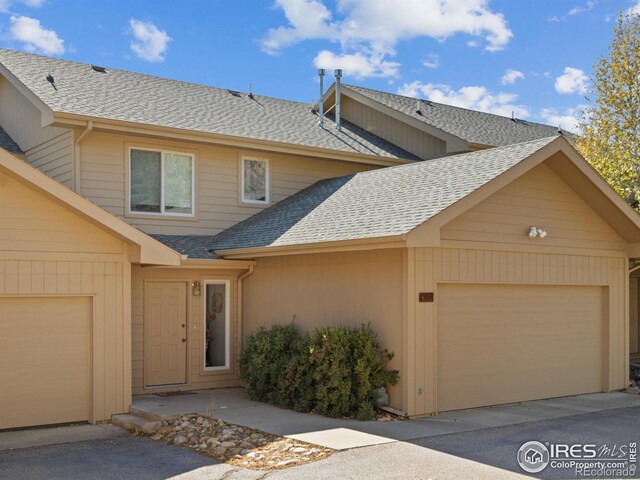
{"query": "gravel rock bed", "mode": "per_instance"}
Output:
(234, 444)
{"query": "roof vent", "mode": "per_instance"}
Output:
(98, 69)
(52, 81)
(235, 93)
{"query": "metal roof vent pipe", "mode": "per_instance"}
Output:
(338, 73)
(321, 102)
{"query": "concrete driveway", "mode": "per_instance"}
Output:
(479, 453)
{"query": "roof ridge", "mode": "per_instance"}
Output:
(443, 104)
(543, 141)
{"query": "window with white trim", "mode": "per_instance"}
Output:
(217, 325)
(255, 180)
(161, 182)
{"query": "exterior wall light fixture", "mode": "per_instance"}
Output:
(535, 232)
(195, 289)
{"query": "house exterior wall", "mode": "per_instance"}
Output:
(197, 377)
(104, 172)
(47, 251)
(634, 314)
(54, 157)
(539, 198)
(49, 149)
(21, 119)
(401, 134)
(331, 289)
(488, 244)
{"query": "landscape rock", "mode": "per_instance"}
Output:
(234, 444)
(180, 440)
(151, 428)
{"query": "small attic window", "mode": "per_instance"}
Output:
(234, 93)
(99, 69)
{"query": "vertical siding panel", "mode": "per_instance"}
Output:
(24, 277)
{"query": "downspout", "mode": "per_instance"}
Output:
(246, 274)
(76, 156)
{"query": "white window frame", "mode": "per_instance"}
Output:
(162, 211)
(227, 326)
(267, 190)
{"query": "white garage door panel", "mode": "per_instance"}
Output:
(44, 360)
(510, 343)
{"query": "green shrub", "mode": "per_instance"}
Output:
(264, 360)
(334, 371)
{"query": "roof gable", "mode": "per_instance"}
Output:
(146, 251)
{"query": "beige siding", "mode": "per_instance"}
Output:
(399, 133)
(21, 120)
(55, 158)
(634, 314)
(539, 198)
(331, 289)
(197, 377)
(32, 222)
(47, 251)
(103, 179)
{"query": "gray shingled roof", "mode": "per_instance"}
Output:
(134, 97)
(470, 125)
(379, 203)
(7, 143)
(193, 246)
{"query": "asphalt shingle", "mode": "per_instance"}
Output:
(7, 143)
(470, 125)
(134, 97)
(193, 246)
(378, 203)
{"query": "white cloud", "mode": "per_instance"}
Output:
(432, 60)
(34, 37)
(573, 80)
(635, 9)
(567, 119)
(357, 64)
(308, 19)
(5, 5)
(372, 28)
(511, 76)
(472, 97)
(150, 43)
(585, 8)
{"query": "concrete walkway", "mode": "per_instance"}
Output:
(233, 405)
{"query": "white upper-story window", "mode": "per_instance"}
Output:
(255, 180)
(161, 182)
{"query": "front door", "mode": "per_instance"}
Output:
(165, 333)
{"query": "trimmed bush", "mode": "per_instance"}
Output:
(334, 371)
(264, 360)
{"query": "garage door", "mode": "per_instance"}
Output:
(502, 344)
(44, 360)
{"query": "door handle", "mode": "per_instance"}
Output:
(184, 325)
(184, 340)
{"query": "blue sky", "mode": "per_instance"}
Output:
(530, 57)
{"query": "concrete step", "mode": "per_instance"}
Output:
(133, 423)
(150, 416)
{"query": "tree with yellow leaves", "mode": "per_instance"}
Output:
(610, 128)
